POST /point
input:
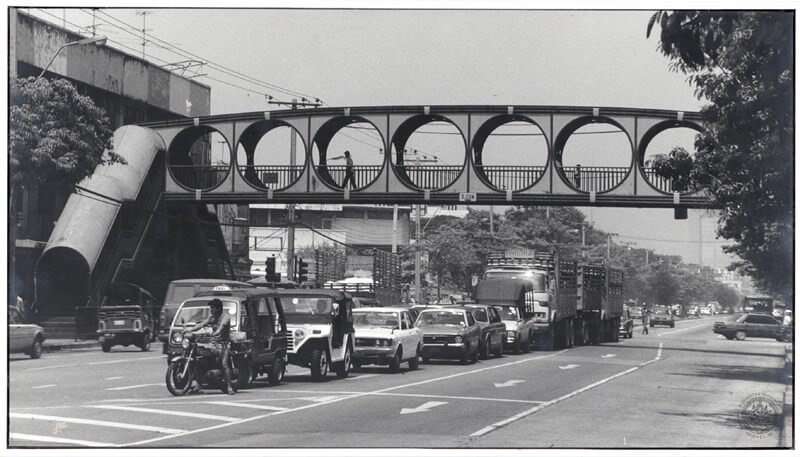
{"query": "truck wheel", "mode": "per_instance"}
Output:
(740, 335)
(319, 364)
(343, 367)
(413, 363)
(547, 341)
(144, 344)
(526, 347)
(517, 345)
(729, 336)
(583, 333)
(570, 334)
(484, 353)
(394, 364)
(275, 375)
(614, 329)
(498, 352)
(106, 347)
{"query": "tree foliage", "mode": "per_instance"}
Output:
(742, 63)
(676, 166)
(57, 136)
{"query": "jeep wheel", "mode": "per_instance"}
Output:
(319, 364)
(394, 364)
(36, 349)
(484, 353)
(343, 367)
(740, 335)
(413, 363)
(106, 347)
(275, 375)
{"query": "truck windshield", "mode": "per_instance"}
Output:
(508, 313)
(375, 319)
(195, 311)
(536, 279)
(312, 306)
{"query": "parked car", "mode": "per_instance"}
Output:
(320, 330)
(626, 324)
(693, 311)
(705, 311)
(662, 316)
(449, 333)
(752, 325)
(181, 290)
(126, 317)
(258, 330)
(386, 336)
(493, 330)
(365, 302)
(24, 338)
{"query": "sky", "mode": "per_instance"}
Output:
(360, 57)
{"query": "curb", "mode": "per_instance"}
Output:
(54, 347)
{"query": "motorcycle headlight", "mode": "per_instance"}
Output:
(177, 337)
(185, 344)
(459, 339)
(299, 334)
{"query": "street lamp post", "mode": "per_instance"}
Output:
(97, 41)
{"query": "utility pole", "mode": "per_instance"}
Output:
(491, 219)
(646, 258)
(418, 292)
(701, 241)
(583, 240)
(608, 248)
(144, 29)
(394, 230)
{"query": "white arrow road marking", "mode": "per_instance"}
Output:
(170, 413)
(607, 356)
(246, 405)
(75, 420)
(568, 367)
(52, 439)
(132, 387)
(508, 383)
(423, 407)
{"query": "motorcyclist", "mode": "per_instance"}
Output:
(220, 323)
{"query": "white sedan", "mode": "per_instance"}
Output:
(26, 338)
(386, 336)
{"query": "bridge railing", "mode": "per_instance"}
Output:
(659, 182)
(429, 176)
(510, 177)
(362, 174)
(596, 179)
(199, 176)
(271, 176)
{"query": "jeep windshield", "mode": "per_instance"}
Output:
(307, 309)
(195, 311)
(375, 319)
(441, 318)
(508, 313)
(536, 279)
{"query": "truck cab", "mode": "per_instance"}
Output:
(515, 299)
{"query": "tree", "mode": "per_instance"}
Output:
(726, 296)
(57, 137)
(676, 166)
(742, 63)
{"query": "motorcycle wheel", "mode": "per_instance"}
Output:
(176, 384)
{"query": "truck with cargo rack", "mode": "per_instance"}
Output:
(600, 304)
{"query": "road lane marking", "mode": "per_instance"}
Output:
(53, 439)
(132, 387)
(608, 356)
(75, 420)
(72, 365)
(168, 412)
(246, 405)
(114, 377)
(314, 405)
(535, 409)
(361, 376)
(423, 408)
(568, 367)
(683, 329)
(510, 383)
(44, 386)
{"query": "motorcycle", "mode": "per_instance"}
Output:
(201, 365)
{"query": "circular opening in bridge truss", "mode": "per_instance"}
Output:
(366, 148)
(199, 158)
(428, 152)
(666, 155)
(270, 155)
(593, 154)
(510, 153)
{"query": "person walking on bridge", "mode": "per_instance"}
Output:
(348, 171)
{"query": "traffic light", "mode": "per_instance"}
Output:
(271, 275)
(302, 271)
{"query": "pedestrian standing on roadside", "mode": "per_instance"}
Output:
(645, 320)
(349, 177)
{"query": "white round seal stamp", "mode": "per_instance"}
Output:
(760, 415)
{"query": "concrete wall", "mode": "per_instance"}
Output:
(35, 41)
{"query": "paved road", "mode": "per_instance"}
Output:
(680, 387)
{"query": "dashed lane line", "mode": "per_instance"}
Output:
(76, 420)
(57, 440)
(246, 405)
(72, 365)
(43, 387)
(133, 387)
(362, 394)
(395, 394)
(684, 329)
(535, 409)
(168, 412)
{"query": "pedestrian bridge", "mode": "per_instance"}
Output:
(399, 179)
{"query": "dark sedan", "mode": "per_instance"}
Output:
(449, 333)
(753, 325)
(493, 330)
(662, 316)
